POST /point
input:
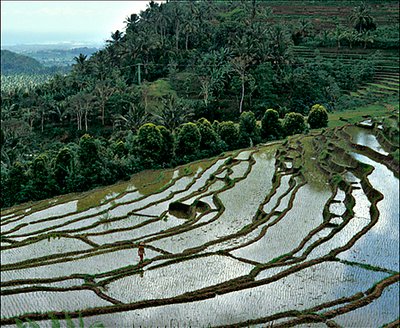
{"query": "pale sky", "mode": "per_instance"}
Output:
(63, 21)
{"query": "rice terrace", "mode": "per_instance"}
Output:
(290, 233)
(262, 227)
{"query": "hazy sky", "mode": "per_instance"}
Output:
(62, 21)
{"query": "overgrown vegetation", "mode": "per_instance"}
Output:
(185, 80)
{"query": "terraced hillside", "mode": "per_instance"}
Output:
(326, 14)
(385, 82)
(299, 233)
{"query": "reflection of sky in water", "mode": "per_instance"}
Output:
(16, 304)
(383, 310)
(42, 248)
(89, 265)
(380, 246)
(298, 291)
(290, 230)
(361, 137)
(56, 210)
(177, 278)
(240, 201)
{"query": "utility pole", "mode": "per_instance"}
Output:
(139, 79)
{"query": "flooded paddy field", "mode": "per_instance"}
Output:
(300, 233)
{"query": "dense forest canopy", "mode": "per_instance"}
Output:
(128, 106)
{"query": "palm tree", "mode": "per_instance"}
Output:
(362, 19)
(116, 37)
(189, 27)
(174, 112)
(131, 21)
(134, 119)
(80, 62)
(338, 35)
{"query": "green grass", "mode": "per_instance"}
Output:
(382, 86)
(356, 115)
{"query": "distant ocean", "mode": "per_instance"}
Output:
(25, 38)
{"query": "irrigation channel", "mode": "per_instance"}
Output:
(303, 233)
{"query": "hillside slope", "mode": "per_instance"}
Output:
(310, 223)
(13, 63)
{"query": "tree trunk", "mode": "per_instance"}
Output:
(42, 122)
(177, 35)
(86, 122)
(187, 41)
(241, 100)
(78, 121)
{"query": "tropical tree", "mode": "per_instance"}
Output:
(271, 127)
(213, 72)
(362, 19)
(229, 133)
(102, 91)
(173, 112)
(248, 130)
(294, 123)
(279, 49)
(188, 139)
(318, 117)
(116, 37)
(150, 145)
(80, 62)
(134, 119)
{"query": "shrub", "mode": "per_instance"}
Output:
(318, 117)
(208, 135)
(149, 143)
(229, 134)
(248, 130)
(188, 139)
(294, 123)
(271, 127)
(167, 149)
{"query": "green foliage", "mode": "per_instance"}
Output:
(293, 123)
(13, 63)
(248, 130)
(188, 140)
(318, 117)
(229, 133)
(271, 127)
(167, 149)
(362, 19)
(63, 166)
(200, 59)
(210, 142)
(90, 163)
(150, 145)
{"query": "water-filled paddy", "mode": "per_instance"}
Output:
(225, 263)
